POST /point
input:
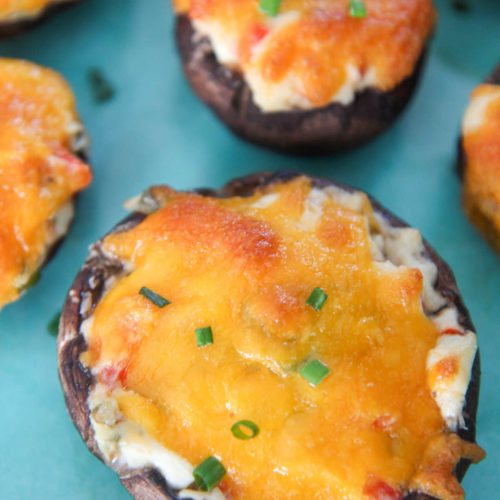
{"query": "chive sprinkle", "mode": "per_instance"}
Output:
(270, 7)
(357, 9)
(317, 298)
(209, 473)
(101, 88)
(204, 336)
(240, 429)
(156, 299)
(314, 372)
(53, 325)
(460, 5)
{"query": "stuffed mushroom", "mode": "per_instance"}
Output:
(304, 76)
(17, 15)
(282, 337)
(479, 159)
(42, 168)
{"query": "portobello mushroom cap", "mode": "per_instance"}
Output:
(77, 381)
(76, 149)
(328, 129)
(482, 222)
(23, 23)
(56, 244)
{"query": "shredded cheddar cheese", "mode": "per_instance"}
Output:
(246, 267)
(313, 52)
(481, 143)
(38, 173)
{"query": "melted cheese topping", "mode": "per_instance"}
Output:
(38, 174)
(14, 10)
(313, 53)
(481, 142)
(245, 266)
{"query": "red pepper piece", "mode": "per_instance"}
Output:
(259, 31)
(111, 375)
(452, 331)
(380, 490)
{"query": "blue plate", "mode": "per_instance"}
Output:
(156, 131)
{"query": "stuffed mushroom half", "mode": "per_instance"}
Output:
(479, 159)
(42, 167)
(17, 15)
(304, 76)
(282, 337)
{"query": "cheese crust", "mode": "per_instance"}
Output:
(313, 53)
(40, 133)
(245, 266)
(481, 146)
(22, 10)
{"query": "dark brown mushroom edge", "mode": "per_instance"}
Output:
(322, 130)
(481, 205)
(90, 285)
(23, 22)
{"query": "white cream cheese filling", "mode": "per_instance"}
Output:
(475, 112)
(79, 141)
(288, 93)
(125, 444)
(450, 396)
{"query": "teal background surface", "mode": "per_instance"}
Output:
(156, 131)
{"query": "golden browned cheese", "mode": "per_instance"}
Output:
(245, 267)
(38, 174)
(481, 142)
(322, 41)
(434, 473)
(13, 9)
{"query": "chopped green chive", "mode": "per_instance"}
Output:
(245, 429)
(100, 87)
(209, 473)
(270, 7)
(53, 325)
(156, 299)
(317, 298)
(357, 9)
(204, 336)
(460, 5)
(314, 372)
